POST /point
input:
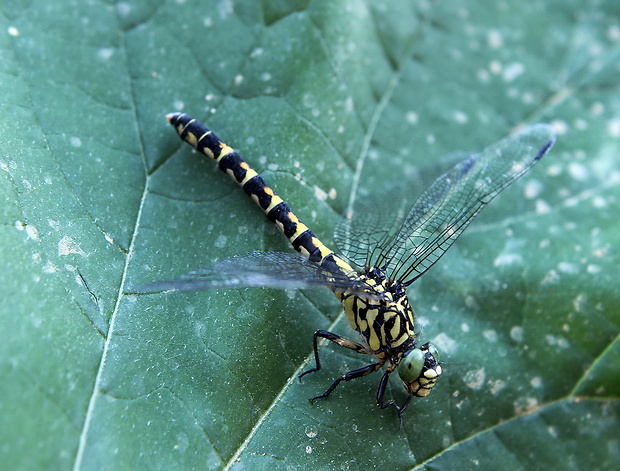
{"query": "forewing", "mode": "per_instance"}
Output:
(371, 222)
(443, 211)
(279, 270)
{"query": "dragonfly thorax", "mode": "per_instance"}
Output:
(385, 322)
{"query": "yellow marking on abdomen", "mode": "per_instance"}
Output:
(323, 249)
(224, 152)
(275, 199)
(250, 173)
(300, 227)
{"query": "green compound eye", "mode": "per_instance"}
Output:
(410, 367)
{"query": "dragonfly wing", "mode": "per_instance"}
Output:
(444, 210)
(279, 270)
(371, 222)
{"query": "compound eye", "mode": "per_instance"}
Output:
(410, 367)
(432, 349)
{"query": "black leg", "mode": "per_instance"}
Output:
(391, 402)
(349, 376)
(346, 343)
(336, 339)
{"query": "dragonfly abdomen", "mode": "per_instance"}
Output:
(229, 161)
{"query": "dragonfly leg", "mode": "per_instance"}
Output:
(391, 403)
(349, 376)
(324, 334)
(350, 344)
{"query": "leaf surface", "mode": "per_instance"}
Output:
(330, 101)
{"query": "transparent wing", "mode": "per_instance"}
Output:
(372, 221)
(267, 269)
(405, 249)
(377, 218)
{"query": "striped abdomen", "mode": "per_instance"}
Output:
(301, 238)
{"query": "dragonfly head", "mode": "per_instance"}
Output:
(419, 369)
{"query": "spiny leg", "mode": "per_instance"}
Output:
(381, 392)
(357, 347)
(346, 343)
(349, 376)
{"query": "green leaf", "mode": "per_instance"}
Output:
(329, 100)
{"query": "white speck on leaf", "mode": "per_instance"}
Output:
(495, 67)
(599, 202)
(49, 267)
(32, 232)
(512, 71)
(490, 335)
(510, 254)
(475, 379)
(554, 170)
(542, 207)
(123, 8)
(568, 267)
(516, 333)
(614, 127)
(75, 141)
(552, 277)
(597, 109)
(578, 171)
(533, 188)
(494, 39)
(105, 53)
(411, 117)
(579, 303)
(320, 194)
(460, 117)
(497, 387)
(67, 245)
(507, 259)
(556, 340)
(560, 126)
(445, 343)
(221, 241)
(182, 442)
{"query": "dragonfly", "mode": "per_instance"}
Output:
(383, 253)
